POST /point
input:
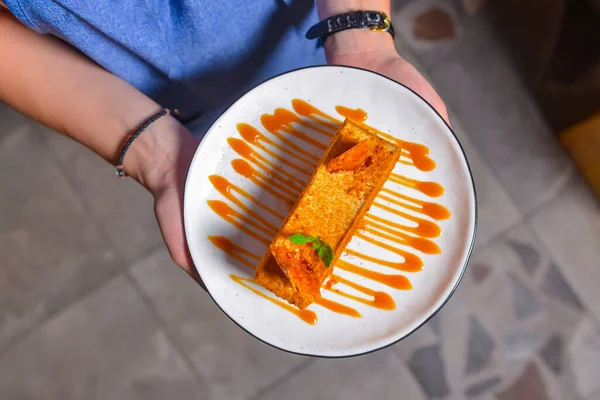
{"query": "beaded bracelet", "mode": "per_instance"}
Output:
(153, 118)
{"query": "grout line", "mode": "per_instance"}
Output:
(427, 71)
(527, 216)
(492, 239)
(552, 258)
(458, 126)
(24, 335)
(163, 326)
(150, 251)
(171, 337)
(286, 377)
(125, 270)
(27, 333)
(594, 395)
(87, 210)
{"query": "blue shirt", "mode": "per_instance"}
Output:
(194, 55)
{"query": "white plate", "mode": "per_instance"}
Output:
(391, 108)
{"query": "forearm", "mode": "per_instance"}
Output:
(354, 41)
(54, 84)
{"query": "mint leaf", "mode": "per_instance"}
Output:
(325, 253)
(323, 249)
(320, 249)
(302, 239)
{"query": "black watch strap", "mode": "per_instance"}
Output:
(373, 20)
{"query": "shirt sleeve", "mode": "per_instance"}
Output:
(19, 10)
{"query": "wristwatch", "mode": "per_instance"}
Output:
(374, 20)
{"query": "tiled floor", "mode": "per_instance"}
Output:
(91, 306)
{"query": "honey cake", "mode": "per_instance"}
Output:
(354, 167)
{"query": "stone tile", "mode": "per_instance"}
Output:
(428, 367)
(435, 324)
(433, 25)
(569, 226)
(482, 387)
(479, 84)
(529, 385)
(494, 295)
(525, 302)
(122, 208)
(235, 364)
(106, 346)
(380, 375)
(423, 337)
(554, 285)
(594, 397)
(50, 253)
(522, 343)
(398, 4)
(479, 272)
(510, 304)
(411, 17)
(584, 354)
(454, 321)
(473, 6)
(530, 257)
(552, 353)
(480, 347)
(561, 318)
(496, 211)
(559, 386)
(9, 119)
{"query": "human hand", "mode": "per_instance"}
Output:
(390, 64)
(374, 51)
(161, 160)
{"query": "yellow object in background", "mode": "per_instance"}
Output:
(582, 142)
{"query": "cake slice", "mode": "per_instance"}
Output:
(350, 174)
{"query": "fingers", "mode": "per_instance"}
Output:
(168, 209)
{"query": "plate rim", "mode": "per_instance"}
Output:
(463, 268)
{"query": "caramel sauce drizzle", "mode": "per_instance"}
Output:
(399, 282)
(234, 251)
(411, 263)
(245, 169)
(295, 147)
(281, 120)
(433, 210)
(358, 115)
(307, 316)
(240, 221)
(244, 150)
(338, 308)
(308, 110)
(380, 300)
(285, 186)
(424, 227)
(243, 132)
(418, 243)
(253, 136)
(417, 153)
(225, 188)
(240, 254)
(431, 189)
